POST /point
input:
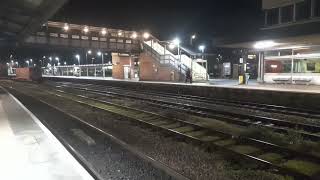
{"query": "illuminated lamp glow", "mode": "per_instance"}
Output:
(86, 29)
(146, 35)
(264, 44)
(103, 31)
(274, 66)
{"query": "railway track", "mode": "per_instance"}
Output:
(263, 153)
(33, 101)
(308, 131)
(307, 113)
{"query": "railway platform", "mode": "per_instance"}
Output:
(223, 83)
(298, 96)
(29, 150)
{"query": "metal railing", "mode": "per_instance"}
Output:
(166, 59)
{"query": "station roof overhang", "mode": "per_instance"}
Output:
(288, 43)
(19, 18)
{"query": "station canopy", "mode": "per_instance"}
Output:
(18, 18)
(297, 42)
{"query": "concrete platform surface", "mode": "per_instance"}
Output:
(28, 150)
(223, 83)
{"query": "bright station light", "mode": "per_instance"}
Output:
(86, 29)
(89, 52)
(146, 35)
(193, 36)
(66, 27)
(264, 44)
(134, 36)
(99, 53)
(202, 47)
(176, 41)
(103, 31)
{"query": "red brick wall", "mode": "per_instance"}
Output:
(23, 73)
(150, 70)
(118, 63)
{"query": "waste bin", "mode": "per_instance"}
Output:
(241, 79)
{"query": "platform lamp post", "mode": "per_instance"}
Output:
(27, 63)
(192, 38)
(177, 42)
(99, 53)
(50, 59)
(202, 48)
(78, 58)
(89, 52)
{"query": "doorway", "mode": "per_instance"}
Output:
(126, 72)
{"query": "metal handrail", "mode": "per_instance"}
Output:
(166, 59)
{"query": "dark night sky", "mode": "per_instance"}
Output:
(166, 19)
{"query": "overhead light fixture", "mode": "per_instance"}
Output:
(176, 41)
(202, 48)
(120, 33)
(86, 29)
(103, 31)
(134, 36)
(146, 35)
(66, 27)
(264, 44)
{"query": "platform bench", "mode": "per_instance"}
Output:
(281, 80)
(302, 80)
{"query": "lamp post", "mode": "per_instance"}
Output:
(50, 58)
(202, 48)
(192, 38)
(78, 58)
(99, 53)
(27, 63)
(88, 52)
(176, 42)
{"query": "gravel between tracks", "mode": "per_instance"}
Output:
(108, 158)
(185, 158)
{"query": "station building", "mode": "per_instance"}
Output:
(288, 48)
(114, 53)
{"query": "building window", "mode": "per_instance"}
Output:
(275, 66)
(306, 66)
(317, 8)
(272, 16)
(287, 14)
(303, 10)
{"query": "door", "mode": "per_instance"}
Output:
(126, 71)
